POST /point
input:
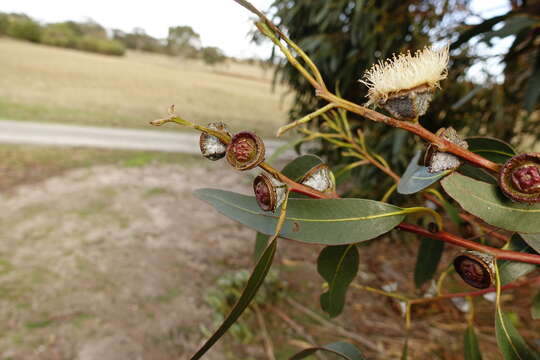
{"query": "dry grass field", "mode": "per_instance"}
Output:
(42, 83)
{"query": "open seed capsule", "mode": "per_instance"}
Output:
(475, 268)
(269, 192)
(436, 160)
(245, 151)
(211, 147)
(519, 178)
(320, 178)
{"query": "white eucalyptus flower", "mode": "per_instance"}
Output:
(404, 84)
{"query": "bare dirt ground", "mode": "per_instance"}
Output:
(112, 263)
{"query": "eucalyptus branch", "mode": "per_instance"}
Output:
(459, 241)
(305, 119)
(414, 127)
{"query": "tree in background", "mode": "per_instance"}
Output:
(183, 41)
(138, 39)
(212, 55)
(345, 37)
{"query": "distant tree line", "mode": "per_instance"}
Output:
(90, 36)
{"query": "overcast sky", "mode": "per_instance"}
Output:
(221, 23)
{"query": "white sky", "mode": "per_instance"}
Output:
(221, 23)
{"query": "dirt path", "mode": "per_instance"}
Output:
(113, 263)
(24, 132)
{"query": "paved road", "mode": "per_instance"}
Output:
(23, 132)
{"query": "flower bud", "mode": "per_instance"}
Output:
(475, 268)
(245, 151)
(269, 192)
(320, 178)
(211, 147)
(436, 160)
(519, 178)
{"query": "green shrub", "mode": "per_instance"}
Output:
(25, 29)
(60, 34)
(101, 46)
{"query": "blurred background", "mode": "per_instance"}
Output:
(104, 252)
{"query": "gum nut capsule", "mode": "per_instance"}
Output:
(475, 268)
(436, 160)
(519, 178)
(269, 192)
(245, 151)
(319, 178)
(211, 147)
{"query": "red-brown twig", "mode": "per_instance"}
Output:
(459, 241)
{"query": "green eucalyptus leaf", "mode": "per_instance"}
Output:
(261, 241)
(510, 341)
(316, 221)
(512, 270)
(254, 282)
(405, 351)
(477, 173)
(491, 148)
(477, 30)
(512, 26)
(417, 177)
(533, 240)
(427, 260)
(535, 308)
(532, 91)
(470, 342)
(488, 203)
(338, 265)
(342, 349)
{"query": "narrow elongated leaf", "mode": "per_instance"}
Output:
(324, 221)
(261, 241)
(342, 349)
(512, 270)
(417, 177)
(510, 341)
(477, 30)
(488, 203)
(532, 91)
(338, 265)
(533, 240)
(405, 351)
(470, 344)
(512, 26)
(254, 282)
(535, 308)
(427, 260)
